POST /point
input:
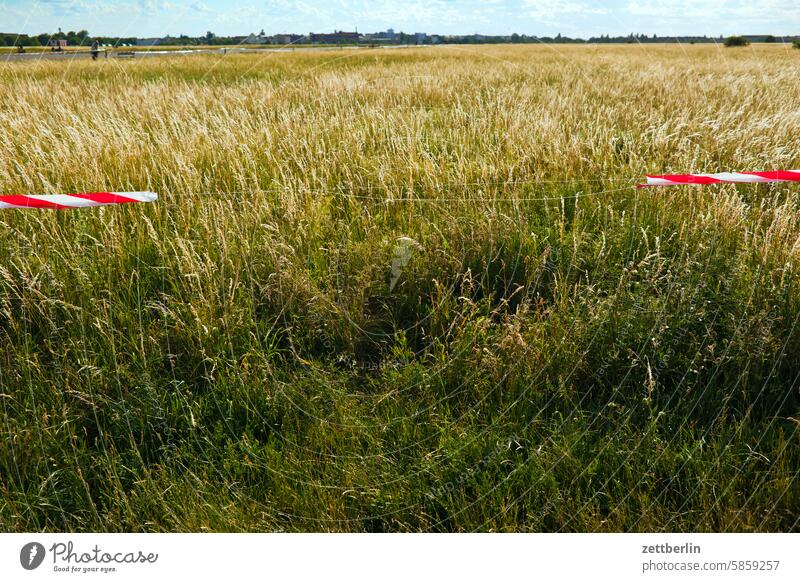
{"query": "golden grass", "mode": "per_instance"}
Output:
(370, 271)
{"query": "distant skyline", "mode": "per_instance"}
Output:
(576, 18)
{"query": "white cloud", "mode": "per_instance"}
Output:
(717, 10)
(67, 7)
(550, 9)
(202, 8)
(576, 17)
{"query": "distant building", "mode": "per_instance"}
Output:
(255, 39)
(57, 44)
(378, 37)
(164, 40)
(284, 39)
(336, 37)
(760, 38)
(420, 37)
(371, 37)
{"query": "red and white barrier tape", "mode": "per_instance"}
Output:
(86, 200)
(724, 178)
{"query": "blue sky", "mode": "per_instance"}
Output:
(541, 17)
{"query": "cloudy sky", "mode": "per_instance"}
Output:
(541, 17)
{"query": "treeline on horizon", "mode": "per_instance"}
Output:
(73, 38)
(83, 38)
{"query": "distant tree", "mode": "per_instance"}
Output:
(16, 40)
(796, 44)
(734, 41)
(74, 38)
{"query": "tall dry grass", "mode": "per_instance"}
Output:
(402, 291)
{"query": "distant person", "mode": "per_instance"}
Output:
(95, 50)
(20, 49)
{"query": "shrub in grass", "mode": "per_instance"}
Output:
(734, 41)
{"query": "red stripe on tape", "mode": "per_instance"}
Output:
(28, 202)
(777, 175)
(105, 197)
(689, 179)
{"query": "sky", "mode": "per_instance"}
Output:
(584, 18)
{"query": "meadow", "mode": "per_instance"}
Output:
(410, 290)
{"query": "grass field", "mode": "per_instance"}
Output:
(401, 291)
